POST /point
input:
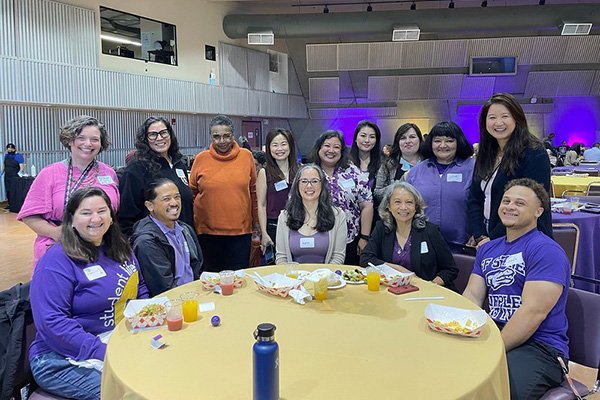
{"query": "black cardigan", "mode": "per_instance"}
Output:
(534, 164)
(437, 261)
(136, 178)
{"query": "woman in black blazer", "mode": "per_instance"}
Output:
(404, 240)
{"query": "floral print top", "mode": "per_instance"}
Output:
(349, 188)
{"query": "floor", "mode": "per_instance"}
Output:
(16, 250)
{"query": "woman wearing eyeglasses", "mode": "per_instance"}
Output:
(157, 157)
(310, 229)
(223, 181)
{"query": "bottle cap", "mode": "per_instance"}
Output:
(264, 331)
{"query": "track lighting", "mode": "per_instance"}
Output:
(484, 3)
(451, 5)
(326, 10)
(369, 8)
(413, 6)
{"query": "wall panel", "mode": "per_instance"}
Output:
(7, 28)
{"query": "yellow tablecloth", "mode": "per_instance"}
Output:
(355, 345)
(562, 183)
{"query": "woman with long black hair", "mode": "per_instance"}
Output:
(365, 151)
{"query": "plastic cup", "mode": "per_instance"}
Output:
(575, 201)
(291, 269)
(226, 278)
(190, 306)
(373, 279)
(321, 289)
(567, 207)
(174, 314)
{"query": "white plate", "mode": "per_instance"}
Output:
(339, 286)
(353, 283)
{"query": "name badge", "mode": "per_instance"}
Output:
(514, 259)
(424, 248)
(281, 185)
(181, 175)
(347, 184)
(105, 180)
(307, 243)
(185, 246)
(94, 272)
(454, 178)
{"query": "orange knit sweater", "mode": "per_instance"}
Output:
(224, 189)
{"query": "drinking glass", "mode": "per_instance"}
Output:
(190, 306)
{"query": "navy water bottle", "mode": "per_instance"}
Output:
(265, 359)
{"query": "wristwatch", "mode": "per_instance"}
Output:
(366, 237)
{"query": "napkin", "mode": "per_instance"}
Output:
(323, 273)
(300, 295)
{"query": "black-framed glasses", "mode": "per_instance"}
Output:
(154, 135)
(313, 182)
(219, 138)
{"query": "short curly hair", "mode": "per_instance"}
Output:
(70, 130)
(535, 186)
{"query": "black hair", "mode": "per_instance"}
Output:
(150, 190)
(375, 154)
(449, 129)
(145, 154)
(272, 170)
(328, 134)
(538, 189)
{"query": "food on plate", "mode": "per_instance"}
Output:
(151, 309)
(353, 275)
(456, 326)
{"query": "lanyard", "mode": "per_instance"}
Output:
(71, 186)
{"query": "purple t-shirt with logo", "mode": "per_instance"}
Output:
(506, 267)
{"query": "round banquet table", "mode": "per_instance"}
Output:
(355, 345)
(562, 183)
(588, 252)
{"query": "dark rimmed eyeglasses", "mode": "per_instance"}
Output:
(154, 135)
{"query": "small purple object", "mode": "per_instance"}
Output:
(215, 320)
(337, 271)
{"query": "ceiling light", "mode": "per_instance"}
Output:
(326, 10)
(403, 33)
(413, 6)
(451, 5)
(575, 28)
(484, 3)
(542, 2)
(369, 8)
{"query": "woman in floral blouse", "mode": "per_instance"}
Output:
(349, 190)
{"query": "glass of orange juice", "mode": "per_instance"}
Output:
(291, 269)
(190, 306)
(373, 279)
(321, 289)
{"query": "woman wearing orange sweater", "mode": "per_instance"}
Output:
(223, 182)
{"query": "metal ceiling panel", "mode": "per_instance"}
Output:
(293, 82)
(445, 86)
(575, 83)
(418, 54)
(373, 112)
(545, 50)
(386, 55)
(477, 87)
(413, 87)
(543, 83)
(321, 57)
(353, 56)
(10, 81)
(496, 47)
(381, 88)
(234, 65)
(324, 90)
(258, 70)
(595, 91)
(7, 28)
(582, 50)
(450, 53)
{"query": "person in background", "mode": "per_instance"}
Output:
(507, 151)
(404, 240)
(549, 139)
(475, 149)
(223, 182)
(444, 179)
(14, 165)
(274, 182)
(525, 276)
(562, 149)
(365, 151)
(404, 156)
(386, 152)
(349, 190)
(573, 155)
(259, 160)
(85, 137)
(167, 250)
(552, 156)
(311, 229)
(157, 157)
(592, 154)
(78, 293)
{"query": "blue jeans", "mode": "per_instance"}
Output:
(56, 375)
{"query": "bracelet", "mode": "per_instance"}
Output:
(365, 237)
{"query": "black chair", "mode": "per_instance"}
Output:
(567, 236)
(464, 263)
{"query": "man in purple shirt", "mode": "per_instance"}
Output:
(167, 249)
(526, 277)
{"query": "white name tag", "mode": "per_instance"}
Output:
(424, 248)
(185, 246)
(105, 180)
(347, 184)
(454, 178)
(94, 272)
(307, 243)
(180, 173)
(281, 185)
(514, 259)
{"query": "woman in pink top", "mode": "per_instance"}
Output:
(44, 205)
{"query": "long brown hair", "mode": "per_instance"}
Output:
(274, 173)
(396, 152)
(520, 139)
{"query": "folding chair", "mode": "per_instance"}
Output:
(589, 171)
(593, 188)
(464, 263)
(567, 236)
(589, 162)
(583, 314)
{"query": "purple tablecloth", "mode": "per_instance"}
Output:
(588, 253)
(579, 168)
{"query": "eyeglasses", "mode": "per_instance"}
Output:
(227, 137)
(313, 182)
(154, 135)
